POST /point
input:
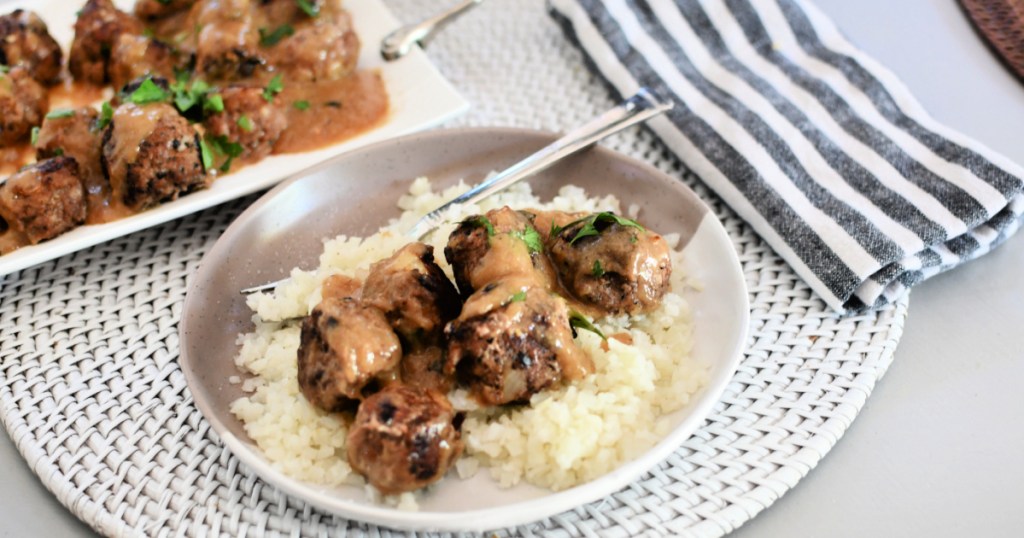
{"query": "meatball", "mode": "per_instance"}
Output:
(22, 105)
(158, 9)
(44, 199)
(227, 46)
(612, 263)
(249, 120)
(485, 248)
(26, 41)
(77, 135)
(404, 439)
(135, 56)
(325, 50)
(414, 294)
(151, 155)
(423, 368)
(346, 348)
(97, 30)
(511, 341)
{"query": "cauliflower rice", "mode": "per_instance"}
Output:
(563, 438)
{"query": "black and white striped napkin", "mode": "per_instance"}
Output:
(823, 151)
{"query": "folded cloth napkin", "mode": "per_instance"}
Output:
(823, 151)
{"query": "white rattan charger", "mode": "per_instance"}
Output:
(91, 392)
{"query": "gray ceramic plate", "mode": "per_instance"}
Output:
(355, 194)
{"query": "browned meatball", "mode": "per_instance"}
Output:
(414, 294)
(404, 439)
(44, 199)
(22, 104)
(325, 50)
(423, 368)
(26, 41)
(249, 120)
(97, 29)
(158, 9)
(227, 46)
(485, 248)
(136, 56)
(77, 134)
(346, 349)
(151, 155)
(511, 341)
(612, 263)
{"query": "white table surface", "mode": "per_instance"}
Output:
(937, 450)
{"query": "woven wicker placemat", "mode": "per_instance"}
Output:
(91, 392)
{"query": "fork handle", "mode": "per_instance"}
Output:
(642, 106)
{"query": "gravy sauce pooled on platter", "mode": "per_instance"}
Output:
(210, 86)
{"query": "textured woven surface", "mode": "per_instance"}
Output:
(1001, 23)
(92, 395)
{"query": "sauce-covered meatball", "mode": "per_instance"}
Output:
(612, 263)
(151, 155)
(248, 119)
(345, 345)
(43, 200)
(513, 340)
(404, 439)
(324, 50)
(22, 105)
(78, 134)
(486, 248)
(97, 29)
(414, 293)
(134, 56)
(227, 44)
(26, 41)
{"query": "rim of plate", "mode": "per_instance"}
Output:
(508, 515)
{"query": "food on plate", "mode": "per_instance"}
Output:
(180, 92)
(78, 134)
(403, 439)
(535, 383)
(151, 154)
(611, 263)
(249, 120)
(25, 41)
(42, 200)
(22, 105)
(347, 348)
(97, 29)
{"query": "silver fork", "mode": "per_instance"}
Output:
(642, 106)
(399, 42)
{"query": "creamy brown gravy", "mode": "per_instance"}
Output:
(338, 110)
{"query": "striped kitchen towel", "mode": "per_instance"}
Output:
(823, 151)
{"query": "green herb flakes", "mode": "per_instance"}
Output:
(60, 113)
(274, 87)
(579, 321)
(148, 92)
(269, 38)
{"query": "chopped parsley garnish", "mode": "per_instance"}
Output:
(593, 224)
(213, 103)
(4, 69)
(148, 92)
(274, 87)
(60, 113)
(597, 271)
(59, 152)
(207, 154)
(219, 146)
(555, 230)
(245, 123)
(483, 222)
(272, 37)
(579, 321)
(35, 135)
(309, 7)
(106, 115)
(148, 32)
(531, 238)
(518, 297)
(301, 105)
